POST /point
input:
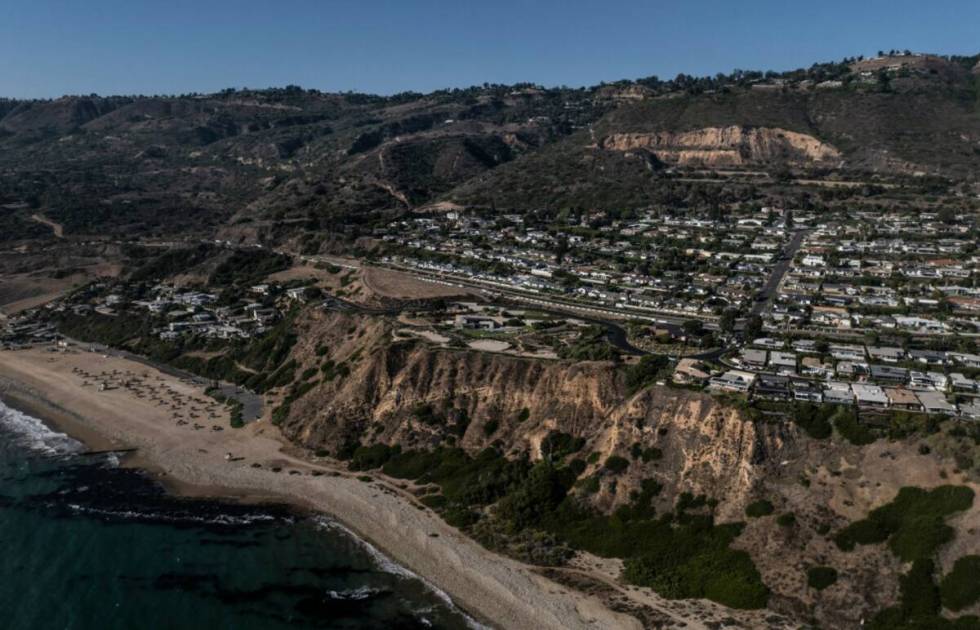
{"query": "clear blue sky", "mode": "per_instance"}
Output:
(54, 47)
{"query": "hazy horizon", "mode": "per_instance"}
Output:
(54, 48)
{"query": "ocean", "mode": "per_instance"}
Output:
(88, 545)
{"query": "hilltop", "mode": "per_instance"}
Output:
(277, 162)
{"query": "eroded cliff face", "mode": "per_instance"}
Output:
(415, 395)
(379, 389)
(727, 146)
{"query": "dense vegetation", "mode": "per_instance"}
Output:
(247, 266)
(961, 587)
(681, 554)
(920, 604)
(913, 524)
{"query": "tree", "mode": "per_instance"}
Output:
(727, 320)
(693, 327)
(753, 327)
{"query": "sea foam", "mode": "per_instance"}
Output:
(388, 565)
(33, 434)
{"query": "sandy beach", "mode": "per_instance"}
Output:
(172, 425)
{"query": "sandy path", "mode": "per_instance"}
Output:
(57, 228)
(489, 586)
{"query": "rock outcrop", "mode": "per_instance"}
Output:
(727, 146)
(415, 395)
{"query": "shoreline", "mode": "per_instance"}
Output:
(489, 588)
(61, 421)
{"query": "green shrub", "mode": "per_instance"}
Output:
(821, 577)
(913, 523)
(616, 464)
(433, 501)
(557, 445)
(690, 562)
(459, 517)
(919, 595)
(787, 519)
(466, 480)
(649, 454)
(759, 508)
(490, 427)
(589, 485)
(961, 587)
(645, 371)
(280, 413)
(371, 457)
(847, 424)
(813, 419)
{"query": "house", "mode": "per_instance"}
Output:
(805, 346)
(813, 366)
(772, 387)
(836, 316)
(970, 410)
(928, 380)
(965, 358)
(297, 294)
(852, 369)
(902, 399)
(782, 362)
(935, 403)
(929, 357)
(838, 394)
(806, 391)
(869, 395)
(961, 383)
(886, 354)
(264, 315)
(752, 358)
(768, 342)
(690, 371)
(733, 381)
(889, 374)
(843, 352)
(475, 322)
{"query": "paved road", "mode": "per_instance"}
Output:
(779, 271)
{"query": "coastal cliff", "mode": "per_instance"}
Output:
(364, 387)
(411, 394)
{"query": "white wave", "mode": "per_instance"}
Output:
(221, 519)
(354, 594)
(35, 435)
(388, 565)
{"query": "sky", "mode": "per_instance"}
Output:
(49, 48)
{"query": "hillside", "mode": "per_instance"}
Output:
(383, 403)
(275, 162)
